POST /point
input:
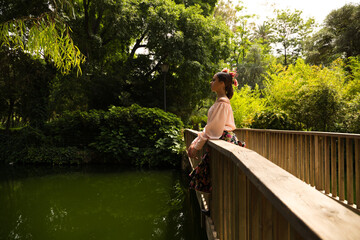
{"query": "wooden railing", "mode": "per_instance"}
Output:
(253, 198)
(328, 161)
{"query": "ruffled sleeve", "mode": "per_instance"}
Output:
(215, 126)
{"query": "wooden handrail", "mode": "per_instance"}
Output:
(329, 134)
(328, 161)
(253, 198)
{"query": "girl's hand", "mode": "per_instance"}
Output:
(192, 152)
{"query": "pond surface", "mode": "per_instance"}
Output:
(96, 203)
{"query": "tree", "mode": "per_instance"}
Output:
(207, 6)
(126, 42)
(239, 25)
(289, 31)
(252, 69)
(319, 48)
(262, 35)
(24, 89)
(311, 95)
(227, 12)
(340, 36)
(40, 30)
(344, 24)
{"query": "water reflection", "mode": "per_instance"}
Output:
(105, 203)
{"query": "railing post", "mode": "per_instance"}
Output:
(312, 161)
(349, 171)
(341, 164)
(327, 164)
(334, 171)
(357, 172)
(317, 163)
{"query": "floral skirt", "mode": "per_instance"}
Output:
(200, 177)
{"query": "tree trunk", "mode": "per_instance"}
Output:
(86, 24)
(285, 60)
(9, 115)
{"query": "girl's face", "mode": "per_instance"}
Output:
(217, 85)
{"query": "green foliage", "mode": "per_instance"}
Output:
(309, 94)
(227, 12)
(126, 41)
(319, 107)
(252, 70)
(274, 119)
(14, 145)
(303, 97)
(76, 128)
(319, 49)
(245, 103)
(352, 116)
(344, 23)
(31, 145)
(45, 35)
(339, 36)
(144, 136)
(24, 88)
(207, 6)
(289, 32)
(352, 87)
(53, 155)
(197, 122)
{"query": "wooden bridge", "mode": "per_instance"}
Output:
(290, 185)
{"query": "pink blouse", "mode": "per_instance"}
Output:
(220, 118)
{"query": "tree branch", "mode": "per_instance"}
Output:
(97, 22)
(156, 66)
(137, 45)
(86, 22)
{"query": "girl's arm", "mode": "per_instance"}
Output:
(213, 129)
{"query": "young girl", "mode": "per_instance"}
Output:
(220, 125)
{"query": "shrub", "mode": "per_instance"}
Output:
(75, 128)
(144, 136)
(53, 155)
(311, 95)
(274, 119)
(245, 103)
(197, 122)
(352, 116)
(14, 145)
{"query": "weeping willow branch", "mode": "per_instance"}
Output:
(46, 36)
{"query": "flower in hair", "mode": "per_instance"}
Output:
(225, 70)
(235, 82)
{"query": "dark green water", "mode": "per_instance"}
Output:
(96, 203)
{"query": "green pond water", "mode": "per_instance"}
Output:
(96, 203)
